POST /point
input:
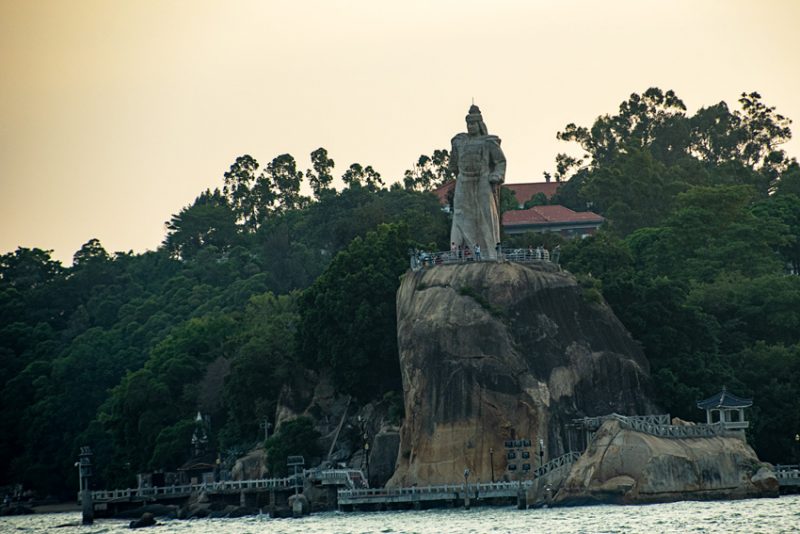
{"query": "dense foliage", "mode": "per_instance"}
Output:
(257, 287)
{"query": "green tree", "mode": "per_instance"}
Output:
(209, 221)
(320, 177)
(285, 181)
(293, 438)
(429, 172)
(367, 177)
(348, 317)
(712, 230)
(264, 363)
(240, 182)
(27, 268)
(539, 199)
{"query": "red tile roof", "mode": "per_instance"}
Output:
(523, 192)
(549, 215)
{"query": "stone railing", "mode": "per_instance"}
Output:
(351, 478)
(435, 492)
(553, 465)
(657, 425)
(422, 259)
(593, 423)
(441, 491)
(787, 471)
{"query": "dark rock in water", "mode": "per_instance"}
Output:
(241, 511)
(491, 352)
(16, 509)
(299, 505)
(147, 520)
(194, 511)
(218, 506)
(158, 510)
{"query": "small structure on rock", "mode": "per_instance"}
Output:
(728, 409)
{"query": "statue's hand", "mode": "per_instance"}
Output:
(494, 179)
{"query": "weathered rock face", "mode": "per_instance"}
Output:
(624, 466)
(496, 351)
(343, 427)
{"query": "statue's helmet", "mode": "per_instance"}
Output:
(474, 115)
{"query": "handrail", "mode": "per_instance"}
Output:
(657, 425)
(188, 489)
(423, 259)
(482, 487)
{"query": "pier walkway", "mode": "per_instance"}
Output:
(550, 473)
(346, 478)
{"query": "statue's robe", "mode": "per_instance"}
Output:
(480, 168)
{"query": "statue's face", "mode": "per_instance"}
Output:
(473, 128)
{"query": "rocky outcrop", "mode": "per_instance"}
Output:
(625, 466)
(494, 351)
(251, 466)
(344, 426)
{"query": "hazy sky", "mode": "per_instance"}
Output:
(115, 114)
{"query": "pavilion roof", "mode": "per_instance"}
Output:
(724, 399)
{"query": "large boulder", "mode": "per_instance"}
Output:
(625, 466)
(496, 351)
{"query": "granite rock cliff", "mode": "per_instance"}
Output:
(494, 351)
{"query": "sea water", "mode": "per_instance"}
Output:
(768, 516)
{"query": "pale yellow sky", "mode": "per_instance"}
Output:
(116, 114)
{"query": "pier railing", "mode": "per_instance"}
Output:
(443, 492)
(787, 474)
(188, 489)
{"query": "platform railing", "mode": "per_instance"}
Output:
(424, 259)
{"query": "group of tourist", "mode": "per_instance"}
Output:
(421, 259)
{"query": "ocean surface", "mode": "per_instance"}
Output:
(768, 516)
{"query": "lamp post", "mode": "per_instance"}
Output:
(797, 446)
(85, 474)
(491, 461)
(366, 453)
(541, 452)
(362, 423)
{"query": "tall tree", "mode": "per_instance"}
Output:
(285, 181)
(240, 180)
(429, 172)
(320, 177)
(357, 176)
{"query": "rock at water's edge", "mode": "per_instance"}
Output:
(493, 351)
(628, 467)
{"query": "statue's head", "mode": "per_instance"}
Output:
(475, 124)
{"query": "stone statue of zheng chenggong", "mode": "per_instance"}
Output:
(480, 167)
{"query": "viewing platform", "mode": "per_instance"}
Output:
(423, 259)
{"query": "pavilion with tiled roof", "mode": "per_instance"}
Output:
(726, 408)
